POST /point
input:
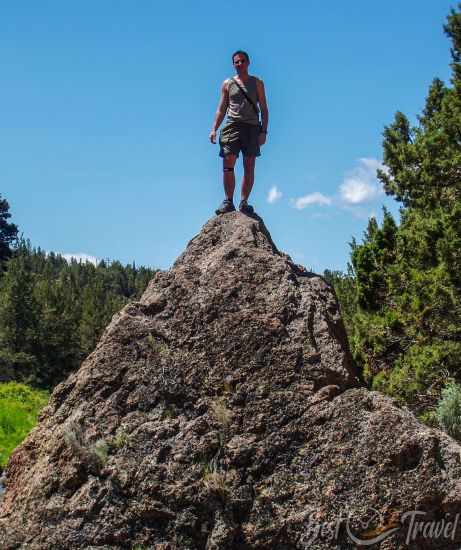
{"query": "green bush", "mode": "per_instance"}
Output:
(449, 410)
(422, 370)
(429, 417)
(20, 406)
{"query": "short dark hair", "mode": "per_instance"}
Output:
(241, 52)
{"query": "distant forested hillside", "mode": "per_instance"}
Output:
(52, 312)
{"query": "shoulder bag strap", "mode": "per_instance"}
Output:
(247, 97)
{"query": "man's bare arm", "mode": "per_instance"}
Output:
(262, 104)
(221, 111)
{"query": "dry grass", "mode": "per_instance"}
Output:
(220, 412)
(216, 482)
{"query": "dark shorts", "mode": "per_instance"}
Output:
(236, 136)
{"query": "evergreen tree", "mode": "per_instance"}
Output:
(370, 261)
(405, 331)
(8, 231)
(18, 321)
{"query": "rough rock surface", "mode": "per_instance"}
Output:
(223, 411)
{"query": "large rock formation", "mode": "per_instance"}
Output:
(223, 411)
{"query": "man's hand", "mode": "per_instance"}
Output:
(264, 110)
(221, 112)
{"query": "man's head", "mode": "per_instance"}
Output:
(240, 59)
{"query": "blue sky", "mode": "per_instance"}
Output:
(107, 107)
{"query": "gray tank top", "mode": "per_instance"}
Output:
(239, 108)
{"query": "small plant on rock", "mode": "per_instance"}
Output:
(215, 480)
(100, 450)
(74, 439)
(159, 347)
(94, 456)
(220, 412)
(449, 410)
(120, 439)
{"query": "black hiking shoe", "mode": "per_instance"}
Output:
(226, 206)
(245, 208)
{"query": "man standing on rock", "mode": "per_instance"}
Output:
(242, 131)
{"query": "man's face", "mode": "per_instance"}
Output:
(240, 62)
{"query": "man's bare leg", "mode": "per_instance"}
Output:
(248, 176)
(229, 176)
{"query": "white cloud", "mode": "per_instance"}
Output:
(361, 184)
(311, 198)
(372, 164)
(359, 187)
(274, 195)
(356, 191)
(81, 256)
